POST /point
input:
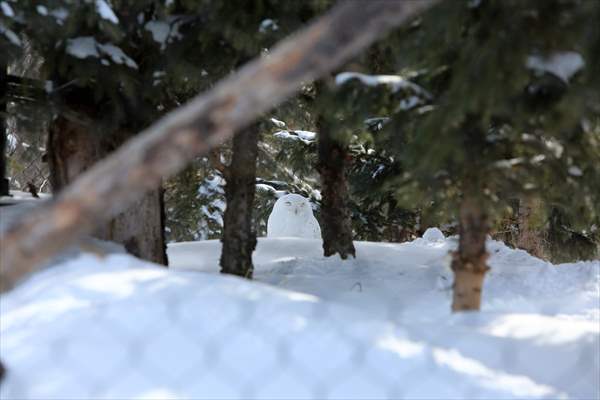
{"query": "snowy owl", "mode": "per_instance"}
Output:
(292, 216)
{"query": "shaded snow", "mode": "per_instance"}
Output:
(165, 31)
(278, 123)
(6, 9)
(395, 82)
(575, 170)
(377, 123)
(18, 197)
(41, 10)
(82, 47)
(409, 103)
(304, 136)
(87, 46)
(268, 25)
(10, 35)
(159, 30)
(11, 142)
(117, 55)
(378, 326)
(60, 14)
(563, 64)
(106, 12)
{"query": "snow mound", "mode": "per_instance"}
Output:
(434, 235)
(309, 327)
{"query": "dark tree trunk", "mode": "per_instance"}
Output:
(469, 262)
(3, 164)
(239, 236)
(73, 148)
(335, 214)
(530, 239)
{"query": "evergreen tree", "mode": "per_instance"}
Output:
(504, 121)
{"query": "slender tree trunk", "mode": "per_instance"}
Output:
(4, 189)
(529, 239)
(335, 214)
(239, 236)
(72, 149)
(469, 262)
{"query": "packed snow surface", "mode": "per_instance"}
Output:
(378, 326)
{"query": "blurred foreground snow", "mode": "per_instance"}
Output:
(378, 326)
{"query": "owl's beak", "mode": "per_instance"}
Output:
(296, 211)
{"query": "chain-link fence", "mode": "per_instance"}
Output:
(379, 326)
(26, 167)
(26, 146)
(27, 122)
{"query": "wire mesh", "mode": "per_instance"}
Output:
(25, 154)
(115, 328)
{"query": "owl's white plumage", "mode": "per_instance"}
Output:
(292, 216)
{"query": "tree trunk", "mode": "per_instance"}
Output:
(73, 148)
(469, 262)
(168, 145)
(335, 214)
(4, 189)
(529, 239)
(239, 236)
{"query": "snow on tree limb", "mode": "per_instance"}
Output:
(167, 146)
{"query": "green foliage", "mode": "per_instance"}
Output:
(496, 122)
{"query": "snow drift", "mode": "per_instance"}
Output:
(378, 326)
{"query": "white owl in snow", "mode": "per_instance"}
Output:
(292, 216)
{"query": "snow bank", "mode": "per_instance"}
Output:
(377, 326)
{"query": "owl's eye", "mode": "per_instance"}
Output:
(288, 203)
(302, 205)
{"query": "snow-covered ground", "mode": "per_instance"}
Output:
(378, 326)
